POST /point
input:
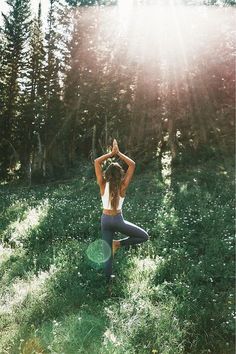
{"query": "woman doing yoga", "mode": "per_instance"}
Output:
(113, 185)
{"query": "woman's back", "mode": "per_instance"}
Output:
(105, 199)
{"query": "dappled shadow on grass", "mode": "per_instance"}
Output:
(196, 223)
(79, 330)
(57, 246)
(138, 323)
(70, 286)
(190, 228)
(16, 265)
(70, 215)
(74, 212)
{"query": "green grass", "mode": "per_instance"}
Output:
(173, 294)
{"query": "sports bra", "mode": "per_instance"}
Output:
(105, 199)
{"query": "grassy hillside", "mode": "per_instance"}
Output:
(173, 294)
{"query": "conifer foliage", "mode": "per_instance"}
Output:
(68, 86)
(16, 36)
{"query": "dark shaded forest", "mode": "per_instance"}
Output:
(154, 81)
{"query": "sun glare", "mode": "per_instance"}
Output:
(171, 33)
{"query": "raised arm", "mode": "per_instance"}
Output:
(127, 159)
(130, 171)
(98, 168)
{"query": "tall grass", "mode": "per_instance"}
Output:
(173, 294)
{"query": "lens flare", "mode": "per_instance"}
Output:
(98, 252)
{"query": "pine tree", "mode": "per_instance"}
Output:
(2, 75)
(52, 157)
(33, 102)
(16, 33)
(72, 98)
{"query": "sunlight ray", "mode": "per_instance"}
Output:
(19, 229)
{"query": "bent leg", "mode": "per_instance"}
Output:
(136, 234)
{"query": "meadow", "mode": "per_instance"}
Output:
(173, 294)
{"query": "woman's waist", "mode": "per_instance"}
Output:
(112, 212)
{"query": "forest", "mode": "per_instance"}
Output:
(66, 90)
(158, 76)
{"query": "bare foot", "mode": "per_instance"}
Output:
(115, 246)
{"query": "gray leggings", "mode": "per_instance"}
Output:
(109, 225)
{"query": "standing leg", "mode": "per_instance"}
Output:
(136, 234)
(107, 237)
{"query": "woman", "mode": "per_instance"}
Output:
(113, 186)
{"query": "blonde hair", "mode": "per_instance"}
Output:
(114, 175)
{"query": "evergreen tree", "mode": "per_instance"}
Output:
(33, 102)
(52, 155)
(72, 90)
(2, 75)
(16, 33)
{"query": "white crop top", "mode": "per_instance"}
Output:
(105, 199)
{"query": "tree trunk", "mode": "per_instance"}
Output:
(93, 143)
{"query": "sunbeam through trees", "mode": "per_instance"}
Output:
(155, 78)
(155, 75)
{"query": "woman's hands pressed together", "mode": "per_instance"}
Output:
(115, 151)
(115, 148)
